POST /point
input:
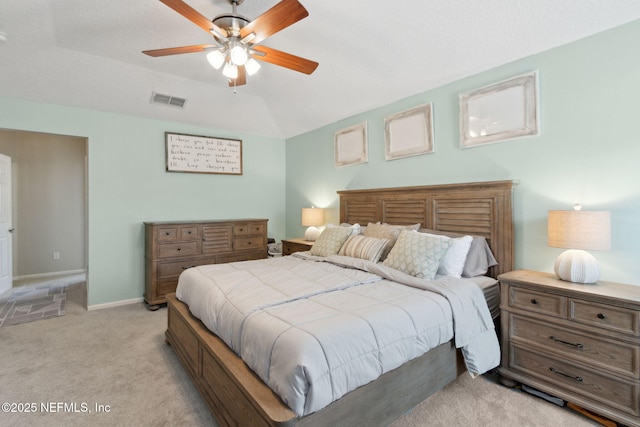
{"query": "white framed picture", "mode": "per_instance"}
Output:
(499, 112)
(409, 133)
(350, 145)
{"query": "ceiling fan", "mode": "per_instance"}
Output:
(237, 39)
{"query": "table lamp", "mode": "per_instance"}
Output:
(579, 231)
(312, 218)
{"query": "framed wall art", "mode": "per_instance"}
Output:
(203, 154)
(350, 145)
(409, 133)
(499, 112)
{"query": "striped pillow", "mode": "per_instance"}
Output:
(369, 248)
(389, 232)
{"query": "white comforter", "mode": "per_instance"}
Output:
(314, 329)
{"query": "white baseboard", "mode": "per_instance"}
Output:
(45, 275)
(115, 304)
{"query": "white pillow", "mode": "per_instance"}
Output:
(418, 254)
(452, 263)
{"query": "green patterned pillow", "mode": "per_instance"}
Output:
(330, 241)
(418, 254)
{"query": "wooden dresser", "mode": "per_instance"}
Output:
(171, 247)
(578, 342)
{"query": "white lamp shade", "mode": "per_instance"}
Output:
(216, 59)
(588, 230)
(252, 66)
(312, 217)
(238, 55)
(230, 71)
(579, 231)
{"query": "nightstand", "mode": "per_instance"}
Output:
(290, 246)
(578, 342)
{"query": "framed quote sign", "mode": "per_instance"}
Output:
(203, 154)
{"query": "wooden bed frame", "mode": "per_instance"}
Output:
(237, 397)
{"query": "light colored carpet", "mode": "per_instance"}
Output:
(118, 357)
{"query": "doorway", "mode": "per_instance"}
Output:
(49, 188)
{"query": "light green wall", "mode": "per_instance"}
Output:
(588, 151)
(128, 185)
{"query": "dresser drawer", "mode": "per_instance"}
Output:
(167, 250)
(244, 243)
(609, 355)
(550, 304)
(189, 233)
(248, 228)
(605, 316)
(172, 269)
(620, 394)
(167, 233)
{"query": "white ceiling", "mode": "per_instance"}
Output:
(87, 53)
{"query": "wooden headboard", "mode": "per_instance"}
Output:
(477, 208)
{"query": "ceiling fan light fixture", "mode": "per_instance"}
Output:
(238, 54)
(252, 66)
(230, 71)
(216, 58)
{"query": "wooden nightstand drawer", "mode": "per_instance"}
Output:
(607, 354)
(604, 316)
(606, 389)
(543, 303)
(290, 246)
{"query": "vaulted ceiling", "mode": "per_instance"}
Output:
(371, 52)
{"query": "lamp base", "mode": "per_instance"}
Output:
(311, 234)
(577, 266)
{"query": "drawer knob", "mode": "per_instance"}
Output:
(179, 249)
(562, 374)
(534, 301)
(167, 233)
(601, 316)
(576, 345)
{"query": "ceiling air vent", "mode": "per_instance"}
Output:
(158, 98)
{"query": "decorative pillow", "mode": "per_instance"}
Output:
(479, 258)
(355, 228)
(452, 263)
(330, 241)
(389, 232)
(369, 248)
(418, 254)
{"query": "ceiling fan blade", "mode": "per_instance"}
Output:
(284, 59)
(194, 16)
(280, 16)
(178, 50)
(241, 79)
